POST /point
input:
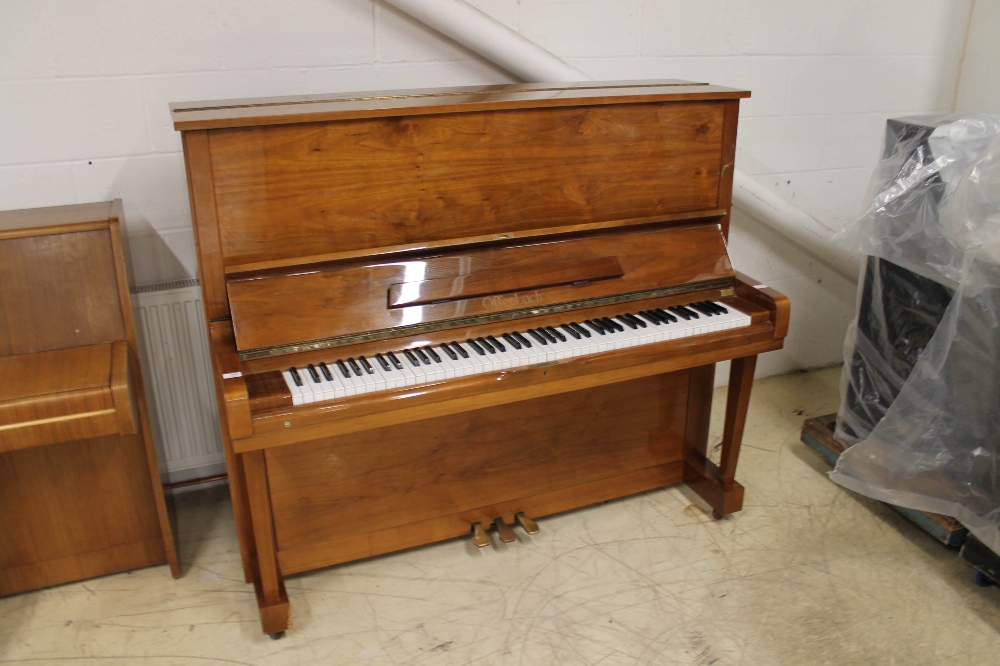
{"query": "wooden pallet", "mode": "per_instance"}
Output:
(817, 434)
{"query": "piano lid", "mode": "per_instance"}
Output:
(315, 306)
(370, 104)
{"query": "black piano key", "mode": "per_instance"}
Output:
(511, 340)
(325, 369)
(580, 329)
(312, 372)
(650, 317)
(572, 331)
(548, 336)
(680, 312)
(433, 354)
(716, 308)
(449, 351)
(485, 345)
(422, 356)
(343, 369)
(700, 307)
(722, 308)
(635, 320)
(354, 366)
(460, 349)
(295, 376)
(411, 358)
(366, 365)
(381, 361)
(615, 326)
(555, 331)
(537, 336)
(475, 345)
(666, 316)
(496, 343)
(694, 315)
(594, 325)
(626, 321)
(523, 340)
(395, 361)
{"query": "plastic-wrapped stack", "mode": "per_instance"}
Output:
(921, 382)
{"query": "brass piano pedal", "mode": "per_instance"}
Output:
(479, 535)
(504, 531)
(529, 526)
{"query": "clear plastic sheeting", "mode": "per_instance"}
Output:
(921, 384)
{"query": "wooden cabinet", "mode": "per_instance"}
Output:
(80, 492)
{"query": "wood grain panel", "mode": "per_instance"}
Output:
(55, 371)
(313, 188)
(377, 104)
(490, 282)
(59, 501)
(315, 303)
(47, 302)
(385, 477)
(353, 547)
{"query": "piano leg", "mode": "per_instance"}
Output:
(716, 484)
(272, 600)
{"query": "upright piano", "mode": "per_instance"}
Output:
(437, 313)
(80, 490)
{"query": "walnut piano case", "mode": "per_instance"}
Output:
(337, 230)
(80, 493)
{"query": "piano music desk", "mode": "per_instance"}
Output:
(336, 233)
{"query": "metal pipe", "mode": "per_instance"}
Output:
(527, 61)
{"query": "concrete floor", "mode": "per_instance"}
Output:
(807, 573)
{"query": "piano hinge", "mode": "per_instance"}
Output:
(475, 320)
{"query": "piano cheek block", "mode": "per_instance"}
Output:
(371, 332)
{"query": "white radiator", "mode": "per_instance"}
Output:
(173, 341)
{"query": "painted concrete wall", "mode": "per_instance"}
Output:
(84, 88)
(979, 85)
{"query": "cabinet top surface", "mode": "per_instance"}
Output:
(55, 216)
(343, 106)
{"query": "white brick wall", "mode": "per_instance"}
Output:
(979, 87)
(84, 89)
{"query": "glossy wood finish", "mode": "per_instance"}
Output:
(334, 226)
(311, 304)
(67, 512)
(388, 477)
(47, 302)
(499, 281)
(291, 191)
(260, 111)
(49, 405)
(80, 492)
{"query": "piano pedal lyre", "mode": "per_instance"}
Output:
(527, 524)
(479, 535)
(504, 530)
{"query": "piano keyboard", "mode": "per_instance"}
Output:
(431, 363)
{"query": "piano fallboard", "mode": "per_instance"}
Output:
(320, 306)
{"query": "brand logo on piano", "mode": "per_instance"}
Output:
(511, 300)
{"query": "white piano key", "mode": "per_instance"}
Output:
(533, 353)
(296, 392)
(308, 394)
(351, 387)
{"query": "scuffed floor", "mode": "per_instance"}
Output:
(807, 573)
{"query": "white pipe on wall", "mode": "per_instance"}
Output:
(527, 61)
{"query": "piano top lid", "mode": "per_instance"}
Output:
(53, 219)
(343, 106)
